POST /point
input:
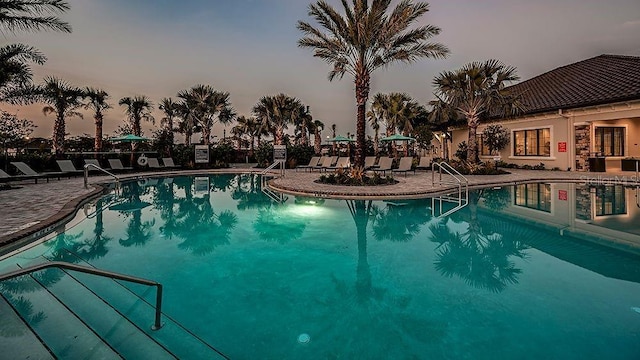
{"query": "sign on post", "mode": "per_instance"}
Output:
(201, 154)
(279, 153)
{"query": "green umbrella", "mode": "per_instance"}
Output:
(341, 138)
(397, 137)
(129, 138)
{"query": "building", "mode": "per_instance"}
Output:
(583, 117)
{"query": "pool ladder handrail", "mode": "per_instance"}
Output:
(98, 272)
(277, 197)
(86, 175)
(460, 181)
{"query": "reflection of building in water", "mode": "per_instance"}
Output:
(608, 214)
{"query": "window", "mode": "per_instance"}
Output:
(610, 141)
(610, 200)
(535, 142)
(482, 147)
(534, 196)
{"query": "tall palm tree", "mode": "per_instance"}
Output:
(365, 38)
(98, 104)
(477, 91)
(170, 109)
(303, 120)
(375, 118)
(316, 128)
(276, 113)
(249, 126)
(186, 124)
(206, 105)
(14, 69)
(441, 117)
(137, 109)
(33, 15)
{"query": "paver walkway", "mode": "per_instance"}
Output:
(34, 206)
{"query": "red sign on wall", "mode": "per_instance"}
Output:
(562, 146)
(562, 195)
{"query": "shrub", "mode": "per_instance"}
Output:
(264, 154)
(461, 153)
(355, 177)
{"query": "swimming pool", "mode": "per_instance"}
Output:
(509, 276)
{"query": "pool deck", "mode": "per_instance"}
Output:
(33, 208)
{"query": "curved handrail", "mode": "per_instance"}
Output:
(86, 174)
(93, 271)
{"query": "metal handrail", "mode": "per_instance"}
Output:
(273, 166)
(83, 269)
(460, 181)
(86, 175)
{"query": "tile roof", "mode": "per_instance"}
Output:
(599, 80)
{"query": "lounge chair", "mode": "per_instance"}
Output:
(405, 165)
(342, 163)
(94, 162)
(4, 177)
(25, 169)
(369, 162)
(66, 166)
(168, 163)
(153, 163)
(312, 163)
(116, 165)
(325, 162)
(384, 165)
(425, 163)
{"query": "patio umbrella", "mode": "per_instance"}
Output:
(341, 138)
(130, 138)
(398, 137)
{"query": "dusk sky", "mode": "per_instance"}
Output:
(249, 48)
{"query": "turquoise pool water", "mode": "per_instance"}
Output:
(505, 277)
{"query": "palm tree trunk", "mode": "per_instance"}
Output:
(253, 138)
(206, 134)
(317, 144)
(98, 140)
(472, 144)
(58, 134)
(362, 94)
(376, 139)
(278, 135)
(170, 129)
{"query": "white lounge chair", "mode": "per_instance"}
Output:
(404, 166)
(116, 164)
(312, 163)
(384, 165)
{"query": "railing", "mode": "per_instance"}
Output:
(459, 180)
(279, 163)
(87, 270)
(86, 175)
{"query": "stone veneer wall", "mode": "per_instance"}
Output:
(583, 202)
(583, 147)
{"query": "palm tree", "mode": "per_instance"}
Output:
(98, 103)
(170, 110)
(15, 73)
(33, 15)
(249, 126)
(138, 109)
(441, 117)
(63, 100)
(186, 125)
(316, 127)
(276, 113)
(303, 120)
(477, 91)
(205, 105)
(366, 38)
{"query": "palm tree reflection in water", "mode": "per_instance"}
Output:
(480, 255)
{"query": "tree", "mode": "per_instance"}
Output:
(249, 126)
(316, 128)
(276, 113)
(170, 110)
(303, 121)
(441, 117)
(15, 72)
(495, 137)
(366, 38)
(137, 109)
(13, 130)
(33, 15)
(206, 105)
(61, 98)
(98, 104)
(477, 91)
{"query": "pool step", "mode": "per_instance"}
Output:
(63, 332)
(131, 341)
(127, 298)
(17, 341)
